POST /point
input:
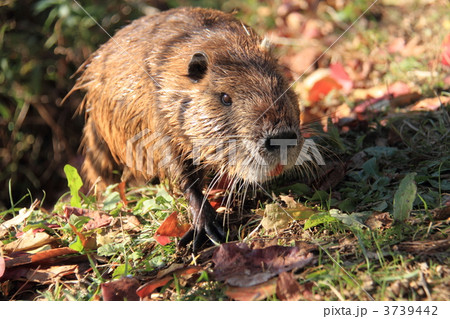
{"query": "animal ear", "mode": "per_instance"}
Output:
(198, 66)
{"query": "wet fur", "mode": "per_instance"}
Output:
(139, 81)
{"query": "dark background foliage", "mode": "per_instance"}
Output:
(42, 43)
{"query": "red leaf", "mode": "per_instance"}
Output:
(215, 204)
(445, 56)
(398, 89)
(341, 76)
(25, 258)
(148, 288)
(322, 87)
(121, 188)
(162, 240)
(171, 227)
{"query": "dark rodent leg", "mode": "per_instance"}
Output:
(98, 160)
(205, 223)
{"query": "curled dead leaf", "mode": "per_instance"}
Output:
(239, 265)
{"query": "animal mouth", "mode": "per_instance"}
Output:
(276, 171)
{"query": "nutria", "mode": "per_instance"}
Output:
(184, 94)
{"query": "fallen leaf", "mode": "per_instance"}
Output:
(441, 213)
(98, 219)
(302, 61)
(277, 217)
(132, 223)
(445, 56)
(379, 220)
(238, 265)
(170, 228)
(322, 87)
(396, 45)
(373, 104)
(121, 188)
(172, 268)
(341, 76)
(146, 289)
(398, 89)
(430, 104)
(23, 214)
(51, 274)
(288, 289)
(312, 29)
(123, 289)
(254, 293)
(412, 48)
(25, 258)
(162, 240)
(29, 240)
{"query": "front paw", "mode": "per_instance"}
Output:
(205, 227)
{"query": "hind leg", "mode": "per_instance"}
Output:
(98, 160)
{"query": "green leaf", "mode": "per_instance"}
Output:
(78, 221)
(370, 167)
(74, 182)
(110, 249)
(379, 151)
(404, 197)
(111, 201)
(77, 245)
(318, 219)
(120, 271)
(353, 219)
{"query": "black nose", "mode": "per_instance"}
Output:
(273, 142)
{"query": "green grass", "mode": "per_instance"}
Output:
(392, 260)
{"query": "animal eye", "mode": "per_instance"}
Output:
(225, 99)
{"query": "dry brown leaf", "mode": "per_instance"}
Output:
(301, 61)
(278, 218)
(430, 104)
(145, 290)
(238, 265)
(23, 214)
(51, 274)
(441, 213)
(254, 293)
(29, 240)
(379, 220)
(120, 290)
(288, 289)
(98, 219)
(121, 188)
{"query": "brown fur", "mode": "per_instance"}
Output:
(139, 82)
